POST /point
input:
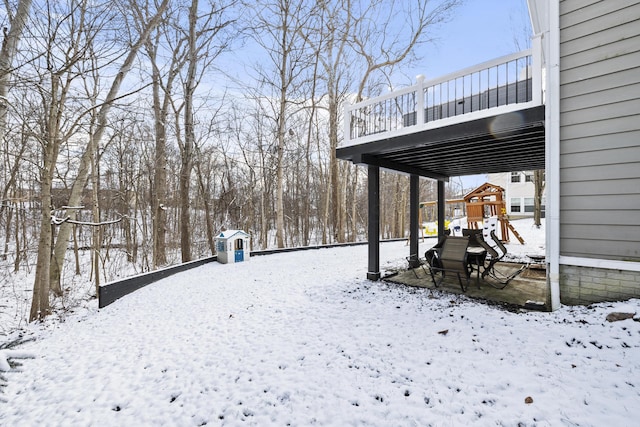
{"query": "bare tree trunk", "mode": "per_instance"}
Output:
(395, 202)
(264, 221)
(185, 220)
(186, 149)
(207, 208)
(306, 212)
(19, 238)
(354, 205)
(76, 254)
(128, 239)
(326, 200)
(283, 70)
(7, 228)
(96, 232)
(132, 231)
(343, 203)
(280, 175)
(40, 306)
(159, 185)
(335, 186)
(538, 183)
(13, 170)
(7, 54)
(404, 200)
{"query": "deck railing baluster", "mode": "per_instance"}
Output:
(426, 102)
(506, 83)
(470, 90)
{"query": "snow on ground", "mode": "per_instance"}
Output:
(534, 240)
(303, 339)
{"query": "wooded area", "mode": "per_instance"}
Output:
(147, 127)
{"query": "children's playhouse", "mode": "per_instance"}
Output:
(232, 246)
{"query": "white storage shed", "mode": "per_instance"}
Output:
(232, 246)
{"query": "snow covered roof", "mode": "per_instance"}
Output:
(227, 234)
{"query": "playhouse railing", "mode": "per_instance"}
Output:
(502, 85)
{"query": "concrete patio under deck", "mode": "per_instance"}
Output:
(528, 290)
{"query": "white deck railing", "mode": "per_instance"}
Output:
(502, 85)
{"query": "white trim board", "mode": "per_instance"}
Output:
(600, 263)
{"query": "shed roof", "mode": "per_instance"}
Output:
(227, 234)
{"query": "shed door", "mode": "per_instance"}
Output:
(238, 251)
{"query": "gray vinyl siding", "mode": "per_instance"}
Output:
(600, 129)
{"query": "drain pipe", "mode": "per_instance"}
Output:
(551, 39)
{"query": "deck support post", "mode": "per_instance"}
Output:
(441, 214)
(373, 178)
(414, 209)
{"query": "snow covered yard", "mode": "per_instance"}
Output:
(303, 339)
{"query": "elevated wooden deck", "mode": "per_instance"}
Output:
(489, 118)
(484, 119)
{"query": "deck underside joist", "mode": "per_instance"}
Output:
(507, 142)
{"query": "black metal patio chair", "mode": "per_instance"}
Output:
(450, 257)
(495, 252)
(415, 262)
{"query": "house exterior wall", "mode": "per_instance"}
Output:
(586, 285)
(521, 192)
(599, 173)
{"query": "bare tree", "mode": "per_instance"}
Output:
(8, 52)
(52, 139)
(278, 25)
(538, 185)
(101, 117)
(258, 152)
(521, 29)
(383, 46)
(163, 81)
(332, 34)
(206, 35)
(267, 162)
(204, 168)
(373, 34)
(12, 162)
(64, 53)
